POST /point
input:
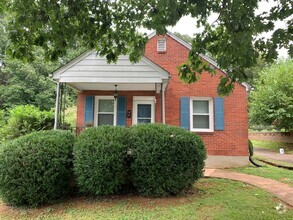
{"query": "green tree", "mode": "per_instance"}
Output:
(3, 36)
(184, 37)
(272, 100)
(29, 83)
(252, 73)
(24, 83)
(111, 27)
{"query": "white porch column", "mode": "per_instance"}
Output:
(57, 106)
(163, 103)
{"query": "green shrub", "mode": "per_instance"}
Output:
(25, 119)
(37, 168)
(100, 159)
(165, 159)
(250, 148)
(2, 118)
(3, 122)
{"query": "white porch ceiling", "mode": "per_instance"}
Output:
(92, 72)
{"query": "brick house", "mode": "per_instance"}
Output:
(150, 92)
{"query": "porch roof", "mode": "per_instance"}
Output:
(89, 71)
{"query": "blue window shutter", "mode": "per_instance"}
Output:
(121, 111)
(219, 114)
(89, 110)
(185, 112)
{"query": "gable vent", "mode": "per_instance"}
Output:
(161, 46)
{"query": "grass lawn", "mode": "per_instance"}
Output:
(277, 162)
(210, 199)
(274, 146)
(268, 171)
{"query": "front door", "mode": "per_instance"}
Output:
(143, 110)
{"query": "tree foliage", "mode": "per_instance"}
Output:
(272, 100)
(111, 27)
(252, 73)
(27, 83)
(184, 37)
(23, 82)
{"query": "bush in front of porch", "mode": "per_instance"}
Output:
(36, 169)
(156, 159)
(166, 160)
(100, 159)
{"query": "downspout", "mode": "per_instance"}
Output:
(57, 106)
(250, 149)
(163, 103)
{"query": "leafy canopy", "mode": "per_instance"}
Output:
(272, 100)
(111, 27)
(24, 83)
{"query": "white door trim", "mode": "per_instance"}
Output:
(143, 100)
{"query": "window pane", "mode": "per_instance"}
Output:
(201, 121)
(144, 110)
(143, 121)
(106, 105)
(105, 119)
(200, 106)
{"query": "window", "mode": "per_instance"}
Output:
(144, 113)
(161, 46)
(105, 110)
(201, 114)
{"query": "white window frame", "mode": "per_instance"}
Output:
(211, 114)
(161, 40)
(143, 100)
(96, 110)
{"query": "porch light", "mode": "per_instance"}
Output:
(115, 93)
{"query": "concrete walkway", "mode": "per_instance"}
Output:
(281, 190)
(288, 158)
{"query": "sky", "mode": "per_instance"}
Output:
(187, 24)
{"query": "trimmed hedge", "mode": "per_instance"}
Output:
(36, 169)
(165, 159)
(100, 159)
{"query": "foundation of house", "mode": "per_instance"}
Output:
(226, 161)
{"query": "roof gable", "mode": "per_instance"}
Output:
(92, 68)
(206, 58)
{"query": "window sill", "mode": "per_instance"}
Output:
(207, 132)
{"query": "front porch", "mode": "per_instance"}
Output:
(120, 94)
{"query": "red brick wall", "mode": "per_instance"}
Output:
(286, 137)
(233, 140)
(230, 142)
(129, 103)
